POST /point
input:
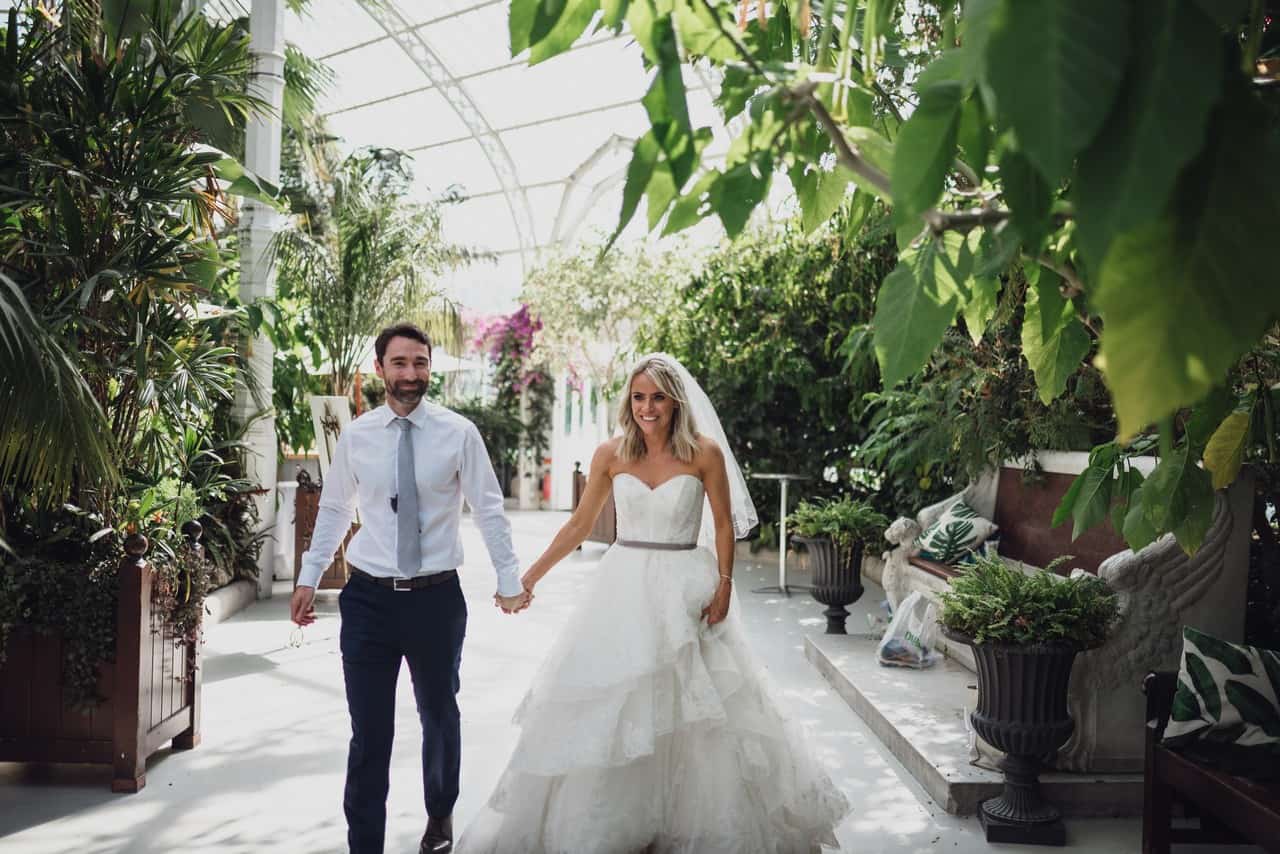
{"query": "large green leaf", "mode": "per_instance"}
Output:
(1138, 530)
(1030, 199)
(700, 35)
(1183, 298)
(571, 24)
(980, 307)
(1224, 454)
(1178, 497)
(1053, 339)
(1123, 495)
(693, 206)
(666, 103)
(739, 190)
(1055, 67)
(924, 151)
(639, 172)
(1206, 686)
(821, 194)
(1127, 175)
(1093, 501)
(1068, 503)
(974, 133)
(916, 304)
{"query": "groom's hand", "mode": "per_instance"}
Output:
(302, 606)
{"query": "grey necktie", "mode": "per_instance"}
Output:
(408, 538)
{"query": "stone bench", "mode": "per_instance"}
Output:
(1161, 589)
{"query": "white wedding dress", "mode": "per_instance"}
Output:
(646, 730)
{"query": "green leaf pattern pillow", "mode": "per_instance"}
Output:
(1227, 695)
(958, 531)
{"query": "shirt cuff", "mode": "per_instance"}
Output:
(509, 582)
(309, 576)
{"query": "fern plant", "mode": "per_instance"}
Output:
(993, 602)
(846, 521)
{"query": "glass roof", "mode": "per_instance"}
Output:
(540, 152)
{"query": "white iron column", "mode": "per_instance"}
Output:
(258, 223)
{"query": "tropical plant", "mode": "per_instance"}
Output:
(1121, 154)
(501, 431)
(591, 305)
(103, 252)
(774, 327)
(508, 343)
(845, 520)
(365, 258)
(114, 204)
(993, 602)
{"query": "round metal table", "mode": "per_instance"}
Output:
(782, 586)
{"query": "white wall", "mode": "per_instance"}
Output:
(577, 439)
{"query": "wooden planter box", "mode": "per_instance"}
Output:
(151, 691)
(306, 504)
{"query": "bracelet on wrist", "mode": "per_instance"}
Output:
(728, 578)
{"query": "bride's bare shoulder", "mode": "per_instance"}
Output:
(709, 452)
(606, 454)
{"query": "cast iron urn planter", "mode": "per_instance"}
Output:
(837, 577)
(1022, 710)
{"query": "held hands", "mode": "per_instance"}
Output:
(513, 604)
(718, 608)
(302, 609)
(516, 604)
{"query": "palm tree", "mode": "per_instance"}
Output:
(110, 215)
(361, 256)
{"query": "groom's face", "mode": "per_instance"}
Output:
(406, 370)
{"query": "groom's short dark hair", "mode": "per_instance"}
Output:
(400, 330)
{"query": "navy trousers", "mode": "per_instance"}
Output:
(380, 626)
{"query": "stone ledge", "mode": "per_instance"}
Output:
(228, 600)
(920, 717)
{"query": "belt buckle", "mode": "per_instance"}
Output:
(396, 582)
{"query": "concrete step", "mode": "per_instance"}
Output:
(921, 715)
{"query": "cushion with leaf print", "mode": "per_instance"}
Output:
(1225, 710)
(959, 530)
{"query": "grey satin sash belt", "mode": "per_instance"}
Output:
(664, 547)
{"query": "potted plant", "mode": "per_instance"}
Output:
(834, 534)
(1025, 630)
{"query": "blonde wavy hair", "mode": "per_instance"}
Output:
(684, 433)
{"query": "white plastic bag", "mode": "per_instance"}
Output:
(909, 640)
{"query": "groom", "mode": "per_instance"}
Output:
(407, 466)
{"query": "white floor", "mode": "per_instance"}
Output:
(268, 775)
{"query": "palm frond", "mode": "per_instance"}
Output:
(52, 430)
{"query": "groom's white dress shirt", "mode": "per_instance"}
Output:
(451, 464)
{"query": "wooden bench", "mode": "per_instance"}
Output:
(1231, 810)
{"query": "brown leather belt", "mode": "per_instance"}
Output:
(402, 584)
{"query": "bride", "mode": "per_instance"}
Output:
(651, 727)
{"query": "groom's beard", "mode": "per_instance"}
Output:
(408, 392)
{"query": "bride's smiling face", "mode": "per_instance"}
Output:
(652, 408)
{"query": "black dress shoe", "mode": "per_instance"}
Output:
(439, 836)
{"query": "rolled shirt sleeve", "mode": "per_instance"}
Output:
(480, 488)
(333, 518)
